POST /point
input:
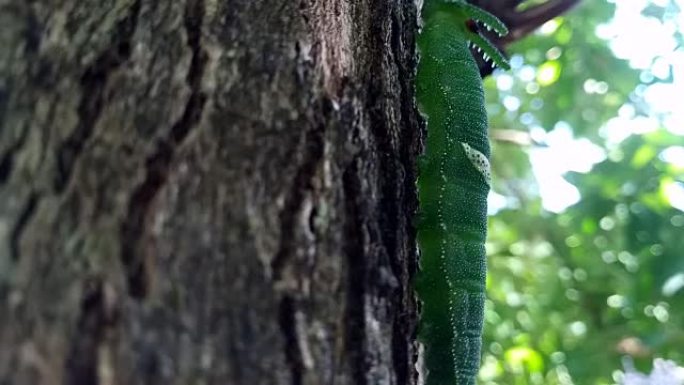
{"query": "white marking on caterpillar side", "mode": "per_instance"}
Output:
(479, 161)
(420, 366)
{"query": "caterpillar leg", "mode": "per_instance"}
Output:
(470, 12)
(478, 14)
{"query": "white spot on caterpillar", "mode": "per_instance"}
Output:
(479, 161)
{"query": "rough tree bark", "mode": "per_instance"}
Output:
(207, 192)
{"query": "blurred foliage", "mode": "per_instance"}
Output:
(572, 293)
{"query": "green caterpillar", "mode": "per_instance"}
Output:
(453, 183)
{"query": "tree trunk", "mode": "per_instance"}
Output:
(207, 192)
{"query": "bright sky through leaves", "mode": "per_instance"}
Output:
(649, 45)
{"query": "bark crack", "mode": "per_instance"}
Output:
(7, 160)
(404, 263)
(312, 155)
(288, 326)
(26, 214)
(93, 86)
(355, 331)
(158, 164)
(6, 165)
(98, 315)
